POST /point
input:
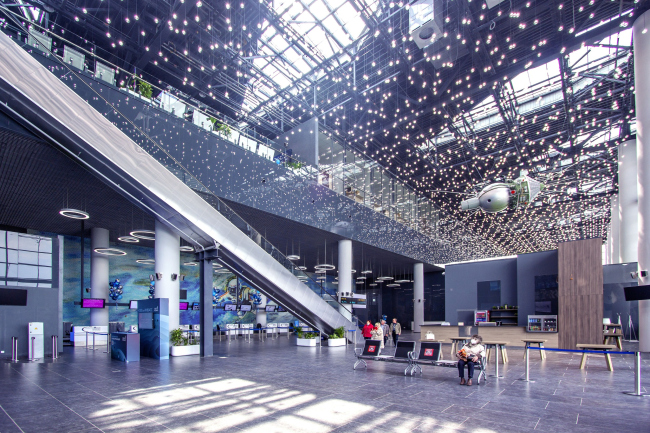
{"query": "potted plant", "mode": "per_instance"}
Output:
(305, 338)
(180, 344)
(220, 128)
(337, 338)
(145, 89)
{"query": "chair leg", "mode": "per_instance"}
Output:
(583, 361)
(608, 361)
(504, 355)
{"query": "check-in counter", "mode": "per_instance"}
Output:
(510, 334)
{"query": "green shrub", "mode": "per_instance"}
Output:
(145, 89)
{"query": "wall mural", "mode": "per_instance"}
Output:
(134, 279)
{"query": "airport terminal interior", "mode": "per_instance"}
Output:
(324, 216)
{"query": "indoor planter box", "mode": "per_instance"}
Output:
(185, 350)
(336, 341)
(306, 341)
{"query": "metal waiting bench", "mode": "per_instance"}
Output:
(403, 353)
(430, 355)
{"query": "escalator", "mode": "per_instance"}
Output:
(147, 175)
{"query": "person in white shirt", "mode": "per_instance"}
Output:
(470, 355)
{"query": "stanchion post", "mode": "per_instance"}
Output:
(32, 357)
(55, 350)
(527, 363)
(14, 349)
(496, 365)
(637, 377)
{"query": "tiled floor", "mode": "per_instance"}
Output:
(274, 386)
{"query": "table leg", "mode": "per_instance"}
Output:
(453, 346)
(542, 354)
(608, 361)
(583, 361)
(504, 354)
(605, 339)
(619, 343)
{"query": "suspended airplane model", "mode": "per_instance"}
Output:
(505, 195)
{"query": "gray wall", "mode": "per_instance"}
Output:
(461, 280)
(529, 266)
(303, 140)
(615, 278)
(41, 307)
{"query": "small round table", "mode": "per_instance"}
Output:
(618, 337)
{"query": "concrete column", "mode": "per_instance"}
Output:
(168, 258)
(628, 200)
(206, 313)
(418, 296)
(614, 230)
(345, 274)
(642, 90)
(98, 275)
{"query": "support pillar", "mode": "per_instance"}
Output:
(418, 296)
(642, 89)
(98, 275)
(345, 274)
(628, 200)
(206, 313)
(615, 226)
(260, 314)
(168, 262)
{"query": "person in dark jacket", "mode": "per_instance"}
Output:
(367, 330)
(395, 330)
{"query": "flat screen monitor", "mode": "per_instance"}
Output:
(145, 321)
(92, 303)
(184, 305)
(17, 297)
(133, 305)
(245, 307)
(270, 308)
(230, 307)
(637, 293)
(196, 306)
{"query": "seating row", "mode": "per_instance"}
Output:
(405, 353)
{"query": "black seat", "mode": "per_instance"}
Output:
(404, 348)
(371, 348)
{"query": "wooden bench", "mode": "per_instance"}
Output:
(618, 337)
(540, 343)
(601, 347)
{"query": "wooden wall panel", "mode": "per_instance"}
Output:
(580, 293)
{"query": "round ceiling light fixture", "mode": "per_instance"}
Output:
(402, 281)
(321, 278)
(325, 267)
(110, 251)
(190, 264)
(217, 265)
(353, 271)
(361, 282)
(320, 271)
(222, 271)
(367, 271)
(146, 261)
(361, 278)
(301, 268)
(335, 282)
(75, 214)
(293, 257)
(128, 239)
(373, 285)
(186, 249)
(147, 235)
(392, 285)
(384, 278)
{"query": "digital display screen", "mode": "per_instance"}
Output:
(184, 305)
(145, 320)
(133, 305)
(245, 307)
(13, 297)
(196, 306)
(350, 300)
(270, 308)
(230, 307)
(92, 303)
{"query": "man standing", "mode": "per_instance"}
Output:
(385, 330)
(395, 330)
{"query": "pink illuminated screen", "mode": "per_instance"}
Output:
(92, 303)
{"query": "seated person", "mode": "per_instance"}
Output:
(468, 355)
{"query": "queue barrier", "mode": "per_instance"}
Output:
(637, 365)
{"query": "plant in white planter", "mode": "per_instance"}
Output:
(180, 344)
(305, 338)
(337, 338)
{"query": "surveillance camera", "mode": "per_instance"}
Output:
(159, 276)
(644, 274)
(87, 289)
(634, 275)
(174, 276)
(182, 277)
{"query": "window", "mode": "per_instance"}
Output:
(25, 260)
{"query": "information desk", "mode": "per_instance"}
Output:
(511, 335)
(125, 346)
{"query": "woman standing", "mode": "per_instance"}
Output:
(378, 334)
(367, 330)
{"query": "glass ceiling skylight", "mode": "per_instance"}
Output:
(326, 28)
